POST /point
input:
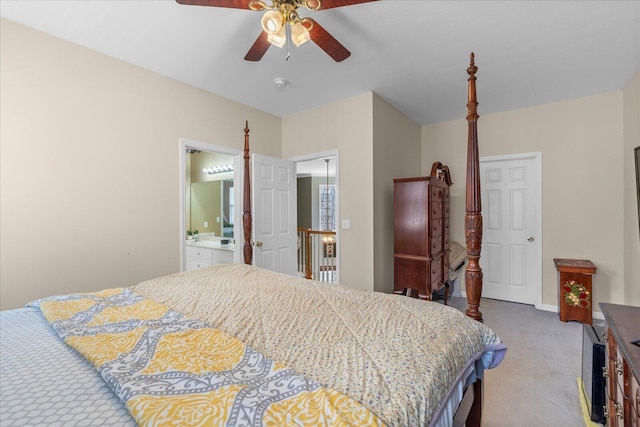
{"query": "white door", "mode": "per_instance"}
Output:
(511, 246)
(273, 192)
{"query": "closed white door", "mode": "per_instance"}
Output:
(511, 255)
(273, 191)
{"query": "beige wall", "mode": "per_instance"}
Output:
(631, 96)
(90, 196)
(396, 154)
(89, 180)
(582, 193)
(345, 126)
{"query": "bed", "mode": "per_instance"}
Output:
(239, 345)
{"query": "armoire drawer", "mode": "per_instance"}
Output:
(437, 227)
(436, 244)
(436, 210)
(436, 273)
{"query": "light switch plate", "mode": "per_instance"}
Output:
(346, 224)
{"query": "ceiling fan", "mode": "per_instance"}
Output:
(281, 19)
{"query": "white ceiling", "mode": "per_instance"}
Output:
(414, 54)
(317, 167)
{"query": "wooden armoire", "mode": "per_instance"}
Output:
(421, 233)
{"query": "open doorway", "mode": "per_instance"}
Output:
(318, 216)
(317, 210)
(207, 205)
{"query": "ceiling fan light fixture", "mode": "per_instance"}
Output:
(272, 22)
(299, 34)
(277, 39)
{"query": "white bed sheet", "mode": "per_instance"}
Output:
(44, 382)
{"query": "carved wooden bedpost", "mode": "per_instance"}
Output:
(473, 218)
(246, 200)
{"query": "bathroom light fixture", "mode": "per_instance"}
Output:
(218, 169)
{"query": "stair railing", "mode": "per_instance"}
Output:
(317, 254)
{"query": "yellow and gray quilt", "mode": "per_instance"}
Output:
(403, 358)
(170, 369)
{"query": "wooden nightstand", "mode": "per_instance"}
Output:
(575, 297)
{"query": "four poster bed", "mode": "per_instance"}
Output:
(239, 345)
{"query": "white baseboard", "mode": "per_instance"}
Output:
(547, 307)
(554, 308)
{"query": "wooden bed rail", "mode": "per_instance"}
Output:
(473, 217)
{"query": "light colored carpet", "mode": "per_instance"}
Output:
(535, 385)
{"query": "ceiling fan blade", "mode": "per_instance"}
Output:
(258, 49)
(330, 4)
(327, 42)
(236, 4)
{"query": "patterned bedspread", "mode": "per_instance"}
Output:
(170, 369)
(398, 356)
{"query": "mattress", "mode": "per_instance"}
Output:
(45, 382)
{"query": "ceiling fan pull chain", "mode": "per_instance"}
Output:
(288, 31)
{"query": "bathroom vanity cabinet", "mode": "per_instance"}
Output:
(202, 256)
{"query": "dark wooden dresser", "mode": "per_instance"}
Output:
(421, 233)
(622, 364)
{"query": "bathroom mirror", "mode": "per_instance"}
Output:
(209, 193)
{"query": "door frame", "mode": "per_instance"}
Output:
(183, 144)
(318, 156)
(536, 156)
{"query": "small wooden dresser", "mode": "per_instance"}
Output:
(421, 233)
(622, 364)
